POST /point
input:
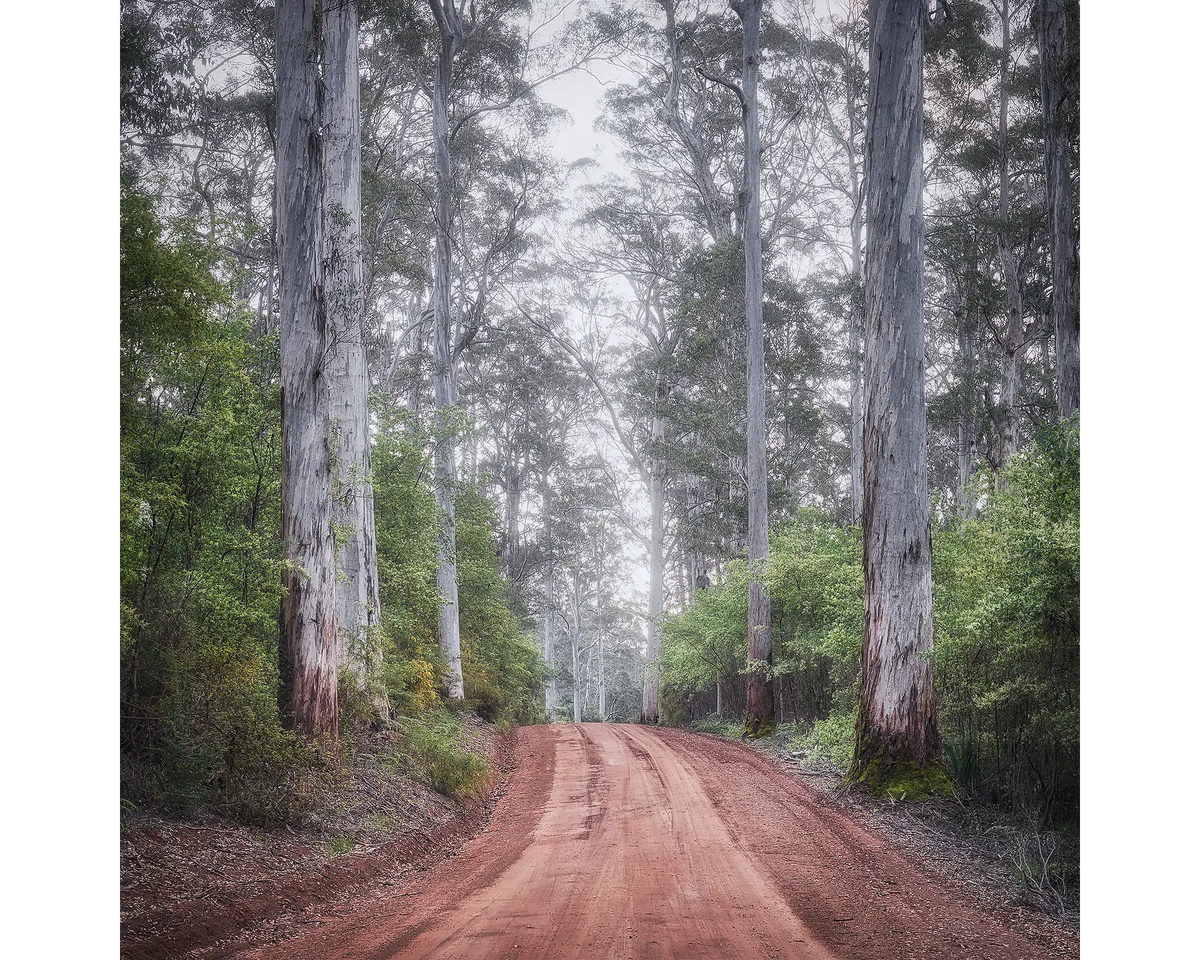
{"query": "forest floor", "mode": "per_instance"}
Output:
(626, 841)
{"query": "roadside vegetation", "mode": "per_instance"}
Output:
(202, 564)
(1005, 651)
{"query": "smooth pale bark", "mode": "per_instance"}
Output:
(357, 589)
(657, 549)
(551, 687)
(760, 708)
(1050, 23)
(450, 27)
(309, 643)
(896, 708)
(1014, 322)
(967, 351)
(577, 691)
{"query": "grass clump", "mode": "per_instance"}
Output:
(830, 739)
(719, 726)
(431, 741)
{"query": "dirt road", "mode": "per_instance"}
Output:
(633, 842)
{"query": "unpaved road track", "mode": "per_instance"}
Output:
(634, 842)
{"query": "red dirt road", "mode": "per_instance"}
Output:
(618, 841)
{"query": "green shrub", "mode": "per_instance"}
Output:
(431, 741)
(962, 763)
(1006, 632)
(831, 738)
(815, 580)
(502, 670)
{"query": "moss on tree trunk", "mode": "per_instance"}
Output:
(895, 773)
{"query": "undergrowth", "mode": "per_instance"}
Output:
(431, 742)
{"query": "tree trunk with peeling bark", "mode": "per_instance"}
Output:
(357, 589)
(896, 719)
(308, 645)
(760, 706)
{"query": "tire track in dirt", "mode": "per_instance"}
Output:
(617, 842)
(862, 897)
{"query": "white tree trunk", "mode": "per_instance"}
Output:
(548, 609)
(653, 642)
(359, 642)
(309, 643)
(896, 710)
(444, 478)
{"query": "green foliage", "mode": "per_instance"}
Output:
(962, 763)
(406, 551)
(502, 670)
(704, 645)
(339, 845)
(1006, 637)
(831, 738)
(431, 741)
(816, 586)
(1006, 630)
(200, 557)
(815, 580)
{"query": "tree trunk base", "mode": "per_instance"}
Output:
(758, 728)
(898, 775)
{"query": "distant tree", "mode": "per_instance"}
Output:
(1057, 25)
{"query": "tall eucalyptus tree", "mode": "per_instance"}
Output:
(896, 709)
(760, 707)
(308, 647)
(360, 645)
(494, 37)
